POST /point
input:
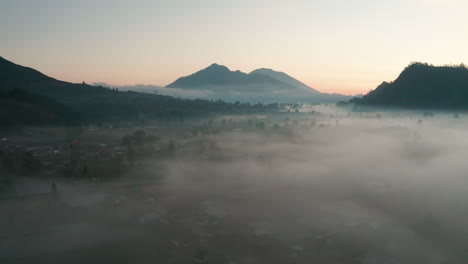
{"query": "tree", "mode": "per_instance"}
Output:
(171, 147)
(127, 141)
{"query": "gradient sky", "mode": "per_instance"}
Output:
(343, 46)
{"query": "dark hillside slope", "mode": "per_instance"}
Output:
(423, 85)
(13, 76)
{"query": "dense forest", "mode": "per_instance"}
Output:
(20, 107)
(423, 85)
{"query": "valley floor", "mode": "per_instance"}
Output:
(309, 190)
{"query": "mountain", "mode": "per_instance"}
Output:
(423, 85)
(30, 97)
(220, 76)
(262, 85)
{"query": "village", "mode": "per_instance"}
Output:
(91, 152)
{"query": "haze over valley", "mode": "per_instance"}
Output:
(233, 132)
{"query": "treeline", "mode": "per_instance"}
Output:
(134, 105)
(19, 107)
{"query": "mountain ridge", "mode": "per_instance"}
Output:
(14, 76)
(260, 85)
(220, 75)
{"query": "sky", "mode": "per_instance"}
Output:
(334, 46)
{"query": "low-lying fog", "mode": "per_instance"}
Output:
(366, 188)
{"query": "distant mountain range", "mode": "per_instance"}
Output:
(264, 85)
(423, 85)
(30, 97)
(261, 80)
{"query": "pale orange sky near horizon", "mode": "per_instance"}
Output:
(346, 47)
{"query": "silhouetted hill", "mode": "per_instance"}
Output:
(13, 76)
(423, 85)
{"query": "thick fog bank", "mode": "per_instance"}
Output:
(383, 187)
(359, 189)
